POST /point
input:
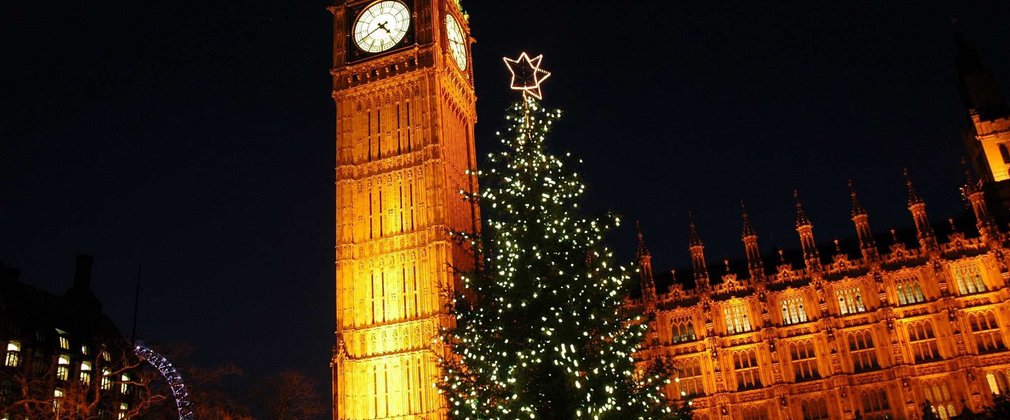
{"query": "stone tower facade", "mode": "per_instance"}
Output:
(405, 112)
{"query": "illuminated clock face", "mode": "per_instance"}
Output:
(381, 26)
(457, 46)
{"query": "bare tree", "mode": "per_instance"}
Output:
(290, 395)
(208, 388)
(41, 387)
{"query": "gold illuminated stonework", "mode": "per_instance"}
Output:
(404, 145)
(875, 334)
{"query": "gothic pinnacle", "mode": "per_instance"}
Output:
(748, 230)
(693, 238)
(642, 250)
(801, 216)
(913, 195)
(857, 207)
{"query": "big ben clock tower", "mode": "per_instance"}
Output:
(403, 87)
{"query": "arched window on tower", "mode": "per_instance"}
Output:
(850, 300)
(793, 311)
(909, 291)
(736, 317)
(986, 331)
(968, 278)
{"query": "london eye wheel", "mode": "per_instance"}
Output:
(171, 375)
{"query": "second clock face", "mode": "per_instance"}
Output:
(381, 26)
(457, 46)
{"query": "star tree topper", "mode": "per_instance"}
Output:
(527, 74)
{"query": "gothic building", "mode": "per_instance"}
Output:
(879, 330)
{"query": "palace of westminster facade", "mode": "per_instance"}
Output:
(880, 334)
(837, 336)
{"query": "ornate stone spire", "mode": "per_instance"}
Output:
(692, 239)
(645, 270)
(867, 245)
(697, 249)
(917, 206)
(913, 195)
(801, 216)
(811, 256)
(857, 207)
(750, 243)
(972, 193)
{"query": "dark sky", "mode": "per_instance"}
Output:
(196, 138)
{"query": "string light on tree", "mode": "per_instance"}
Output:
(543, 331)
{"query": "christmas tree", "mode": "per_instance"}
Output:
(542, 331)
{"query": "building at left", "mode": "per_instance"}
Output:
(62, 357)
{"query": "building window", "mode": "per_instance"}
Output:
(86, 373)
(124, 387)
(997, 382)
(1004, 153)
(123, 409)
(850, 300)
(986, 332)
(864, 353)
(909, 291)
(875, 404)
(63, 367)
(683, 330)
(923, 341)
(804, 361)
(737, 320)
(106, 379)
(755, 412)
(968, 278)
(64, 340)
(58, 395)
(747, 374)
(815, 409)
(938, 396)
(689, 378)
(13, 358)
(793, 311)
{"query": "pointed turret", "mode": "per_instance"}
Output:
(917, 206)
(645, 270)
(811, 256)
(697, 249)
(860, 217)
(972, 193)
(750, 245)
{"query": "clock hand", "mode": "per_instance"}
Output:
(376, 29)
(383, 26)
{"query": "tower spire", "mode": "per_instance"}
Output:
(811, 256)
(697, 249)
(754, 264)
(645, 270)
(974, 195)
(917, 206)
(693, 239)
(857, 207)
(801, 215)
(860, 217)
(913, 195)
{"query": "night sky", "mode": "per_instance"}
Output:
(197, 139)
